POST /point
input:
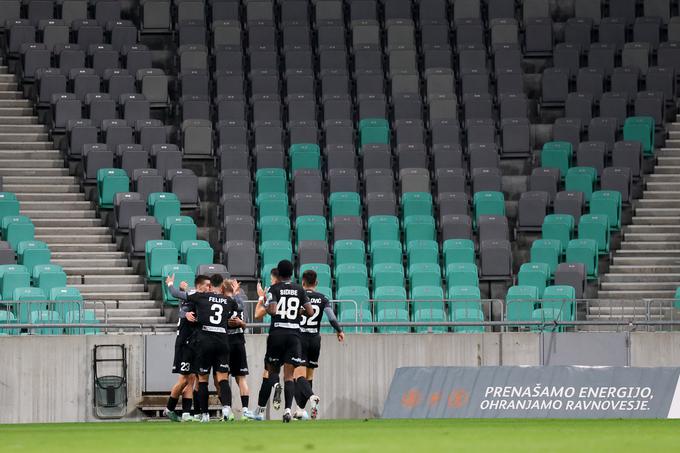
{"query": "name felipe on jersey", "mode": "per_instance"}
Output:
(218, 300)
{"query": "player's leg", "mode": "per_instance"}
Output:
(221, 368)
(272, 363)
(175, 393)
(244, 391)
(313, 353)
(203, 396)
(238, 364)
(188, 398)
(291, 361)
(204, 361)
(300, 413)
(276, 386)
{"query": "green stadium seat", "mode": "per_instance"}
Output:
(427, 297)
(640, 129)
(425, 274)
(388, 251)
(534, 274)
(433, 314)
(9, 205)
(162, 205)
(311, 228)
(347, 296)
(271, 180)
(607, 202)
(383, 228)
(179, 229)
(488, 203)
(416, 203)
(157, 254)
(352, 315)
(182, 273)
(344, 204)
(520, 302)
(109, 182)
(560, 227)
(31, 299)
(82, 317)
(328, 292)
(349, 251)
(350, 275)
(422, 252)
(546, 251)
(16, 229)
(557, 155)
(595, 226)
(562, 298)
(323, 273)
(581, 179)
(48, 276)
(419, 228)
(31, 253)
(462, 274)
(465, 306)
(389, 298)
(374, 130)
(304, 155)
(7, 317)
(45, 317)
(458, 251)
(271, 204)
(68, 299)
(387, 274)
(275, 228)
(546, 315)
(13, 276)
(676, 302)
(584, 251)
(392, 315)
(195, 253)
(271, 252)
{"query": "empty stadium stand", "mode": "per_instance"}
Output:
(424, 156)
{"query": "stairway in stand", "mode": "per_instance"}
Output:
(647, 266)
(63, 218)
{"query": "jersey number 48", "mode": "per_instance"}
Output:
(288, 308)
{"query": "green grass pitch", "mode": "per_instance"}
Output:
(374, 436)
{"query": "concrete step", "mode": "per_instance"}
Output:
(40, 180)
(656, 203)
(649, 211)
(83, 248)
(125, 304)
(656, 177)
(4, 119)
(61, 206)
(651, 229)
(636, 294)
(90, 255)
(86, 262)
(50, 197)
(663, 161)
(662, 195)
(51, 189)
(653, 277)
(27, 145)
(660, 220)
(8, 86)
(14, 102)
(139, 320)
(15, 111)
(66, 222)
(666, 170)
(97, 294)
(627, 267)
(100, 269)
(28, 129)
(58, 215)
(25, 137)
(75, 231)
(33, 163)
(41, 172)
(129, 313)
(652, 237)
(651, 245)
(84, 239)
(11, 95)
(80, 279)
(635, 286)
(646, 253)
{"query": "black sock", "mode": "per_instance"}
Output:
(197, 407)
(225, 393)
(186, 404)
(203, 397)
(274, 378)
(311, 386)
(289, 393)
(265, 392)
(245, 400)
(305, 390)
(172, 403)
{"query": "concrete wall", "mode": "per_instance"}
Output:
(50, 379)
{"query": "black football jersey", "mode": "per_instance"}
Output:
(212, 311)
(310, 325)
(237, 335)
(289, 298)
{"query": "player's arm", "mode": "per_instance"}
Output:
(236, 322)
(306, 306)
(190, 308)
(328, 311)
(260, 310)
(175, 292)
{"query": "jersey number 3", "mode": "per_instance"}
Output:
(288, 308)
(313, 320)
(217, 310)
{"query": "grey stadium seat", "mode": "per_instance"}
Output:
(592, 154)
(486, 179)
(343, 180)
(603, 129)
(184, 184)
(125, 206)
(239, 228)
(456, 227)
(348, 228)
(628, 154)
(450, 180)
(617, 178)
(492, 228)
(309, 204)
(569, 203)
(545, 180)
(572, 274)
(381, 203)
(532, 209)
(142, 229)
(453, 203)
(315, 252)
(240, 257)
(147, 181)
(495, 258)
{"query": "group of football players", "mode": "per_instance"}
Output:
(211, 339)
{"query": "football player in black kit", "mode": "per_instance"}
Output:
(285, 302)
(184, 354)
(212, 312)
(311, 346)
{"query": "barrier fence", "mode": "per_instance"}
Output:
(379, 316)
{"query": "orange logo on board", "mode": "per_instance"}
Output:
(435, 398)
(411, 398)
(458, 398)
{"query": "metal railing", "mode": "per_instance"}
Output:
(385, 316)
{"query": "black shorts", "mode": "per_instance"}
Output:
(311, 348)
(212, 352)
(183, 362)
(238, 362)
(283, 349)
